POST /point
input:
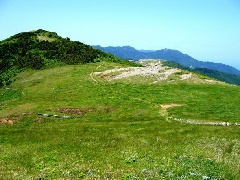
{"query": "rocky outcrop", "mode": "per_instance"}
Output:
(54, 115)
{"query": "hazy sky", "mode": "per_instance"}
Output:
(208, 30)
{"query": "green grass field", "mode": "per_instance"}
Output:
(117, 129)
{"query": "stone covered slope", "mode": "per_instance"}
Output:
(155, 70)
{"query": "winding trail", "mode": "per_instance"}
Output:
(195, 122)
(91, 74)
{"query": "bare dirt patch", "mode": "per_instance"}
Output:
(6, 121)
(211, 81)
(166, 106)
(11, 119)
(84, 110)
(77, 111)
(45, 38)
(186, 76)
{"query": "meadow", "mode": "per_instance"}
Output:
(116, 129)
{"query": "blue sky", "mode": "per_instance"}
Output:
(208, 30)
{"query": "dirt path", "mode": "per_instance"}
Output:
(196, 122)
(200, 122)
(91, 74)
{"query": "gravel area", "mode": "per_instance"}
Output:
(149, 70)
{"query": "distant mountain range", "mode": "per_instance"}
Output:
(128, 52)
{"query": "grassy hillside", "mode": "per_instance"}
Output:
(42, 49)
(118, 129)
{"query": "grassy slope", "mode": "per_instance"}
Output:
(43, 49)
(122, 133)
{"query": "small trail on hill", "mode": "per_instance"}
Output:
(195, 122)
(91, 74)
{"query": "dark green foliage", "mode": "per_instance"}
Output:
(125, 52)
(9, 94)
(174, 65)
(6, 76)
(225, 77)
(40, 49)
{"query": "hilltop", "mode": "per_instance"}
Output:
(128, 52)
(42, 49)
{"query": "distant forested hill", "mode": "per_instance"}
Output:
(40, 49)
(128, 52)
(125, 52)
